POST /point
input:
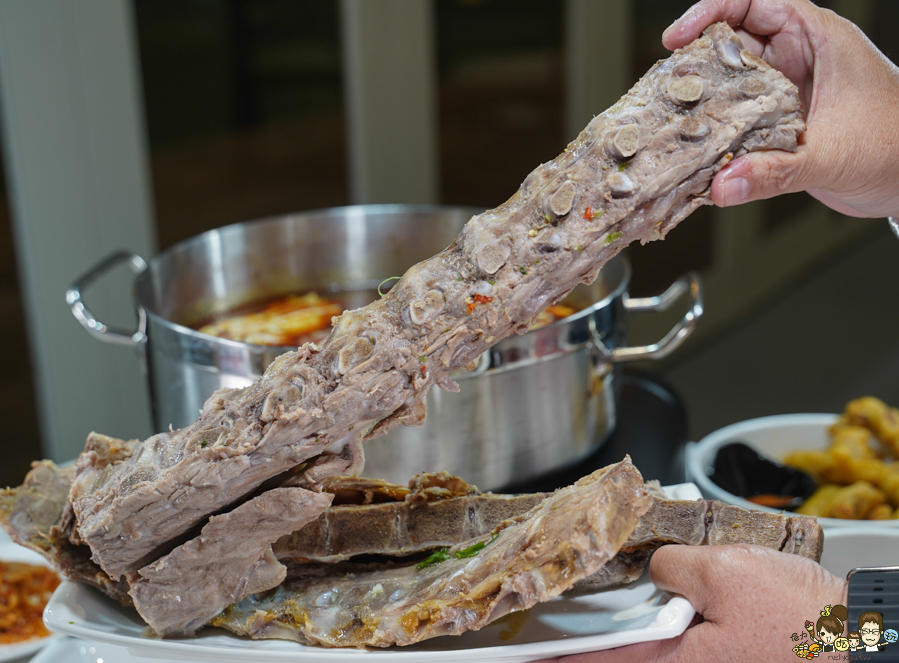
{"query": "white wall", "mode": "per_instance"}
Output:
(75, 153)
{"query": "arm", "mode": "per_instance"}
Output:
(848, 156)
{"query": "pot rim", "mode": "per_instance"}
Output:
(379, 209)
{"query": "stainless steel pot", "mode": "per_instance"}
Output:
(534, 403)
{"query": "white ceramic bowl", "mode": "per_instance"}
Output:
(846, 548)
(774, 437)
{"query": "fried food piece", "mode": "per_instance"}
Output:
(889, 483)
(855, 501)
(845, 469)
(855, 439)
(880, 512)
(876, 415)
(820, 502)
(814, 462)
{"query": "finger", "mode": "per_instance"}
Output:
(757, 17)
(700, 16)
(761, 175)
(752, 42)
(684, 570)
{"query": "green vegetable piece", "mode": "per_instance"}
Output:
(613, 237)
(523, 270)
(623, 166)
(471, 551)
(389, 278)
(434, 558)
(203, 443)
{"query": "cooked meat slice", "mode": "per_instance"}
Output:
(400, 528)
(36, 515)
(231, 558)
(706, 523)
(32, 515)
(427, 487)
(570, 535)
(632, 174)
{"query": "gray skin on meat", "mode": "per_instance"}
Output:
(569, 536)
(635, 171)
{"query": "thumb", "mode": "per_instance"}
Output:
(761, 175)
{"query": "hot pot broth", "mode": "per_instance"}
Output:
(295, 319)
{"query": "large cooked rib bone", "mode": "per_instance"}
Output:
(693, 112)
(345, 531)
(567, 537)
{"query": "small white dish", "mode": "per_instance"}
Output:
(12, 552)
(566, 625)
(774, 437)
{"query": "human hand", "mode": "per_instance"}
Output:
(751, 599)
(849, 156)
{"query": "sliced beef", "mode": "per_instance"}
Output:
(569, 536)
(706, 523)
(713, 523)
(400, 528)
(231, 558)
(33, 512)
(632, 174)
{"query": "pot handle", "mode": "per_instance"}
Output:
(690, 283)
(83, 314)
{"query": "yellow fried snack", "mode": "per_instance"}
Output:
(844, 469)
(820, 502)
(880, 512)
(856, 500)
(883, 420)
(858, 474)
(814, 462)
(889, 483)
(855, 439)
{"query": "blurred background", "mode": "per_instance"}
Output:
(137, 124)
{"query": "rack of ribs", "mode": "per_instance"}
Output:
(635, 171)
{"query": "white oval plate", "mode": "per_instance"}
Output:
(566, 625)
(12, 552)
